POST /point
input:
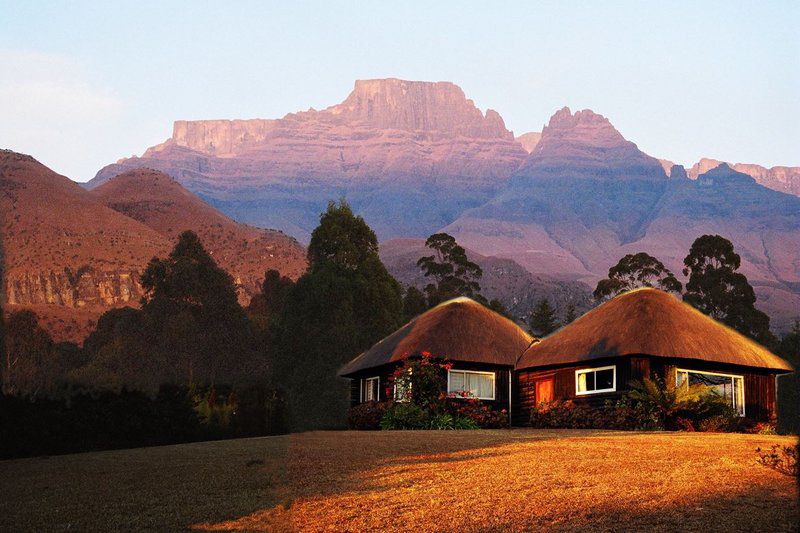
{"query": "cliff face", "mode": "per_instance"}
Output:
(407, 155)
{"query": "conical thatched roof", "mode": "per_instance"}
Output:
(649, 322)
(459, 329)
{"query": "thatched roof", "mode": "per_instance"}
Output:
(649, 322)
(459, 330)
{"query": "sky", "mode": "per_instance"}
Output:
(83, 84)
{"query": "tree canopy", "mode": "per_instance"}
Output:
(346, 302)
(634, 271)
(452, 272)
(543, 319)
(718, 290)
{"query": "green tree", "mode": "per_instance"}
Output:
(28, 366)
(634, 271)
(718, 290)
(343, 304)
(414, 303)
(570, 315)
(199, 325)
(543, 319)
(452, 272)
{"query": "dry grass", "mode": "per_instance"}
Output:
(425, 481)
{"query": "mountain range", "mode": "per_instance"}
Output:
(545, 213)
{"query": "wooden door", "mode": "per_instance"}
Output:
(544, 390)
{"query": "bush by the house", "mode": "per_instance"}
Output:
(366, 416)
(481, 414)
(405, 415)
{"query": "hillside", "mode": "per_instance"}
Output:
(502, 278)
(163, 205)
(70, 257)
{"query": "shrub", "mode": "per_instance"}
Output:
(784, 459)
(366, 416)
(481, 414)
(405, 415)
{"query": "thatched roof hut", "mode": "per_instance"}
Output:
(649, 322)
(459, 329)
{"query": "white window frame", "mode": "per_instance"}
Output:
(396, 390)
(364, 383)
(596, 391)
(732, 376)
(492, 374)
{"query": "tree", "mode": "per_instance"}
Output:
(28, 367)
(543, 319)
(570, 315)
(414, 303)
(789, 384)
(275, 290)
(343, 304)
(192, 305)
(634, 271)
(718, 290)
(453, 273)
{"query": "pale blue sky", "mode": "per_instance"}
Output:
(85, 83)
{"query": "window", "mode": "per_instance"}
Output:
(370, 389)
(471, 384)
(594, 380)
(401, 389)
(726, 385)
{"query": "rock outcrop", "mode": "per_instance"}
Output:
(529, 140)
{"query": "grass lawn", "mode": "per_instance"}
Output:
(410, 480)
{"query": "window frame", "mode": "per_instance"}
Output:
(481, 372)
(723, 374)
(596, 369)
(364, 384)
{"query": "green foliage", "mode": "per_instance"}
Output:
(452, 272)
(570, 315)
(367, 415)
(668, 403)
(214, 415)
(634, 271)
(422, 377)
(414, 303)
(447, 421)
(405, 415)
(542, 321)
(32, 364)
(718, 290)
(345, 303)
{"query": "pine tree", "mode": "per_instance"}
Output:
(543, 319)
(570, 315)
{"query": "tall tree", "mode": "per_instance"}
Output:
(634, 271)
(718, 290)
(199, 323)
(789, 384)
(343, 304)
(414, 303)
(452, 272)
(28, 366)
(543, 319)
(570, 315)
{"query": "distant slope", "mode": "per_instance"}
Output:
(586, 197)
(518, 289)
(64, 248)
(162, 204)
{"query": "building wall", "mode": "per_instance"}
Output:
(759, 385)
(502, 376)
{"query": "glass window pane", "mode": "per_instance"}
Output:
(581, 382)
(590, 381)
(485, 385)
(456, 381)
(604, 379)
